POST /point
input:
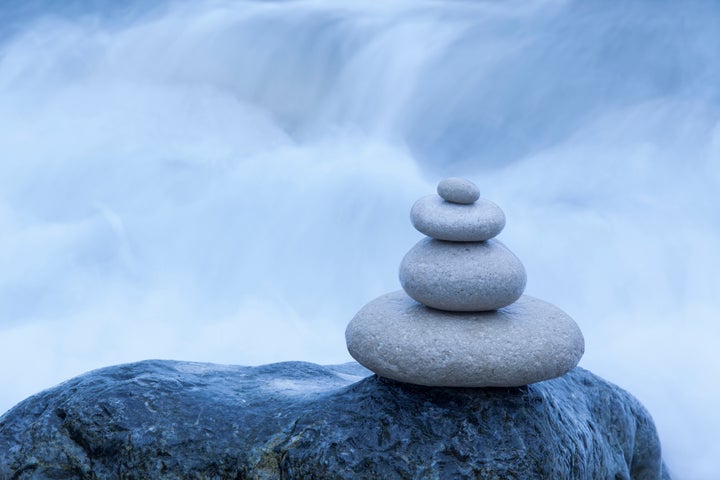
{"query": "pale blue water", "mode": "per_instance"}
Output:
(231, 181)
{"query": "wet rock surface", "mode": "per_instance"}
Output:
(166, 419)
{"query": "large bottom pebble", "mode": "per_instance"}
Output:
(526, 342)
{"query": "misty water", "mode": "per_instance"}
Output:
(230, 181)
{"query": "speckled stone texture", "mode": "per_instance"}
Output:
(526, 342)
(443, 220)
(462, 277)
(171, 420)
(458, 190)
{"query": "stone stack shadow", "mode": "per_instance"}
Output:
(462, 319)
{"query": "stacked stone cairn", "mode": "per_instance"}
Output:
(462, 319)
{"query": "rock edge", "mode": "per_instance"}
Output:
(168, 420)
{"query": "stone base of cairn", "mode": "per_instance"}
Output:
(462, 320)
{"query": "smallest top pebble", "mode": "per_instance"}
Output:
(458, 190)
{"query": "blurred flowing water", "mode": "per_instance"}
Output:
(230, 181)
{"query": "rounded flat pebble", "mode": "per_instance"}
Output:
(458, 190)
(462, 277)
(526, 342)
(454, 222)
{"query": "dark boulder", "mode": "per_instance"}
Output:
(172, 420)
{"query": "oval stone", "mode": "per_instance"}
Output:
(462, 277)
(526, 342)
(453, 222)
(458, 190)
